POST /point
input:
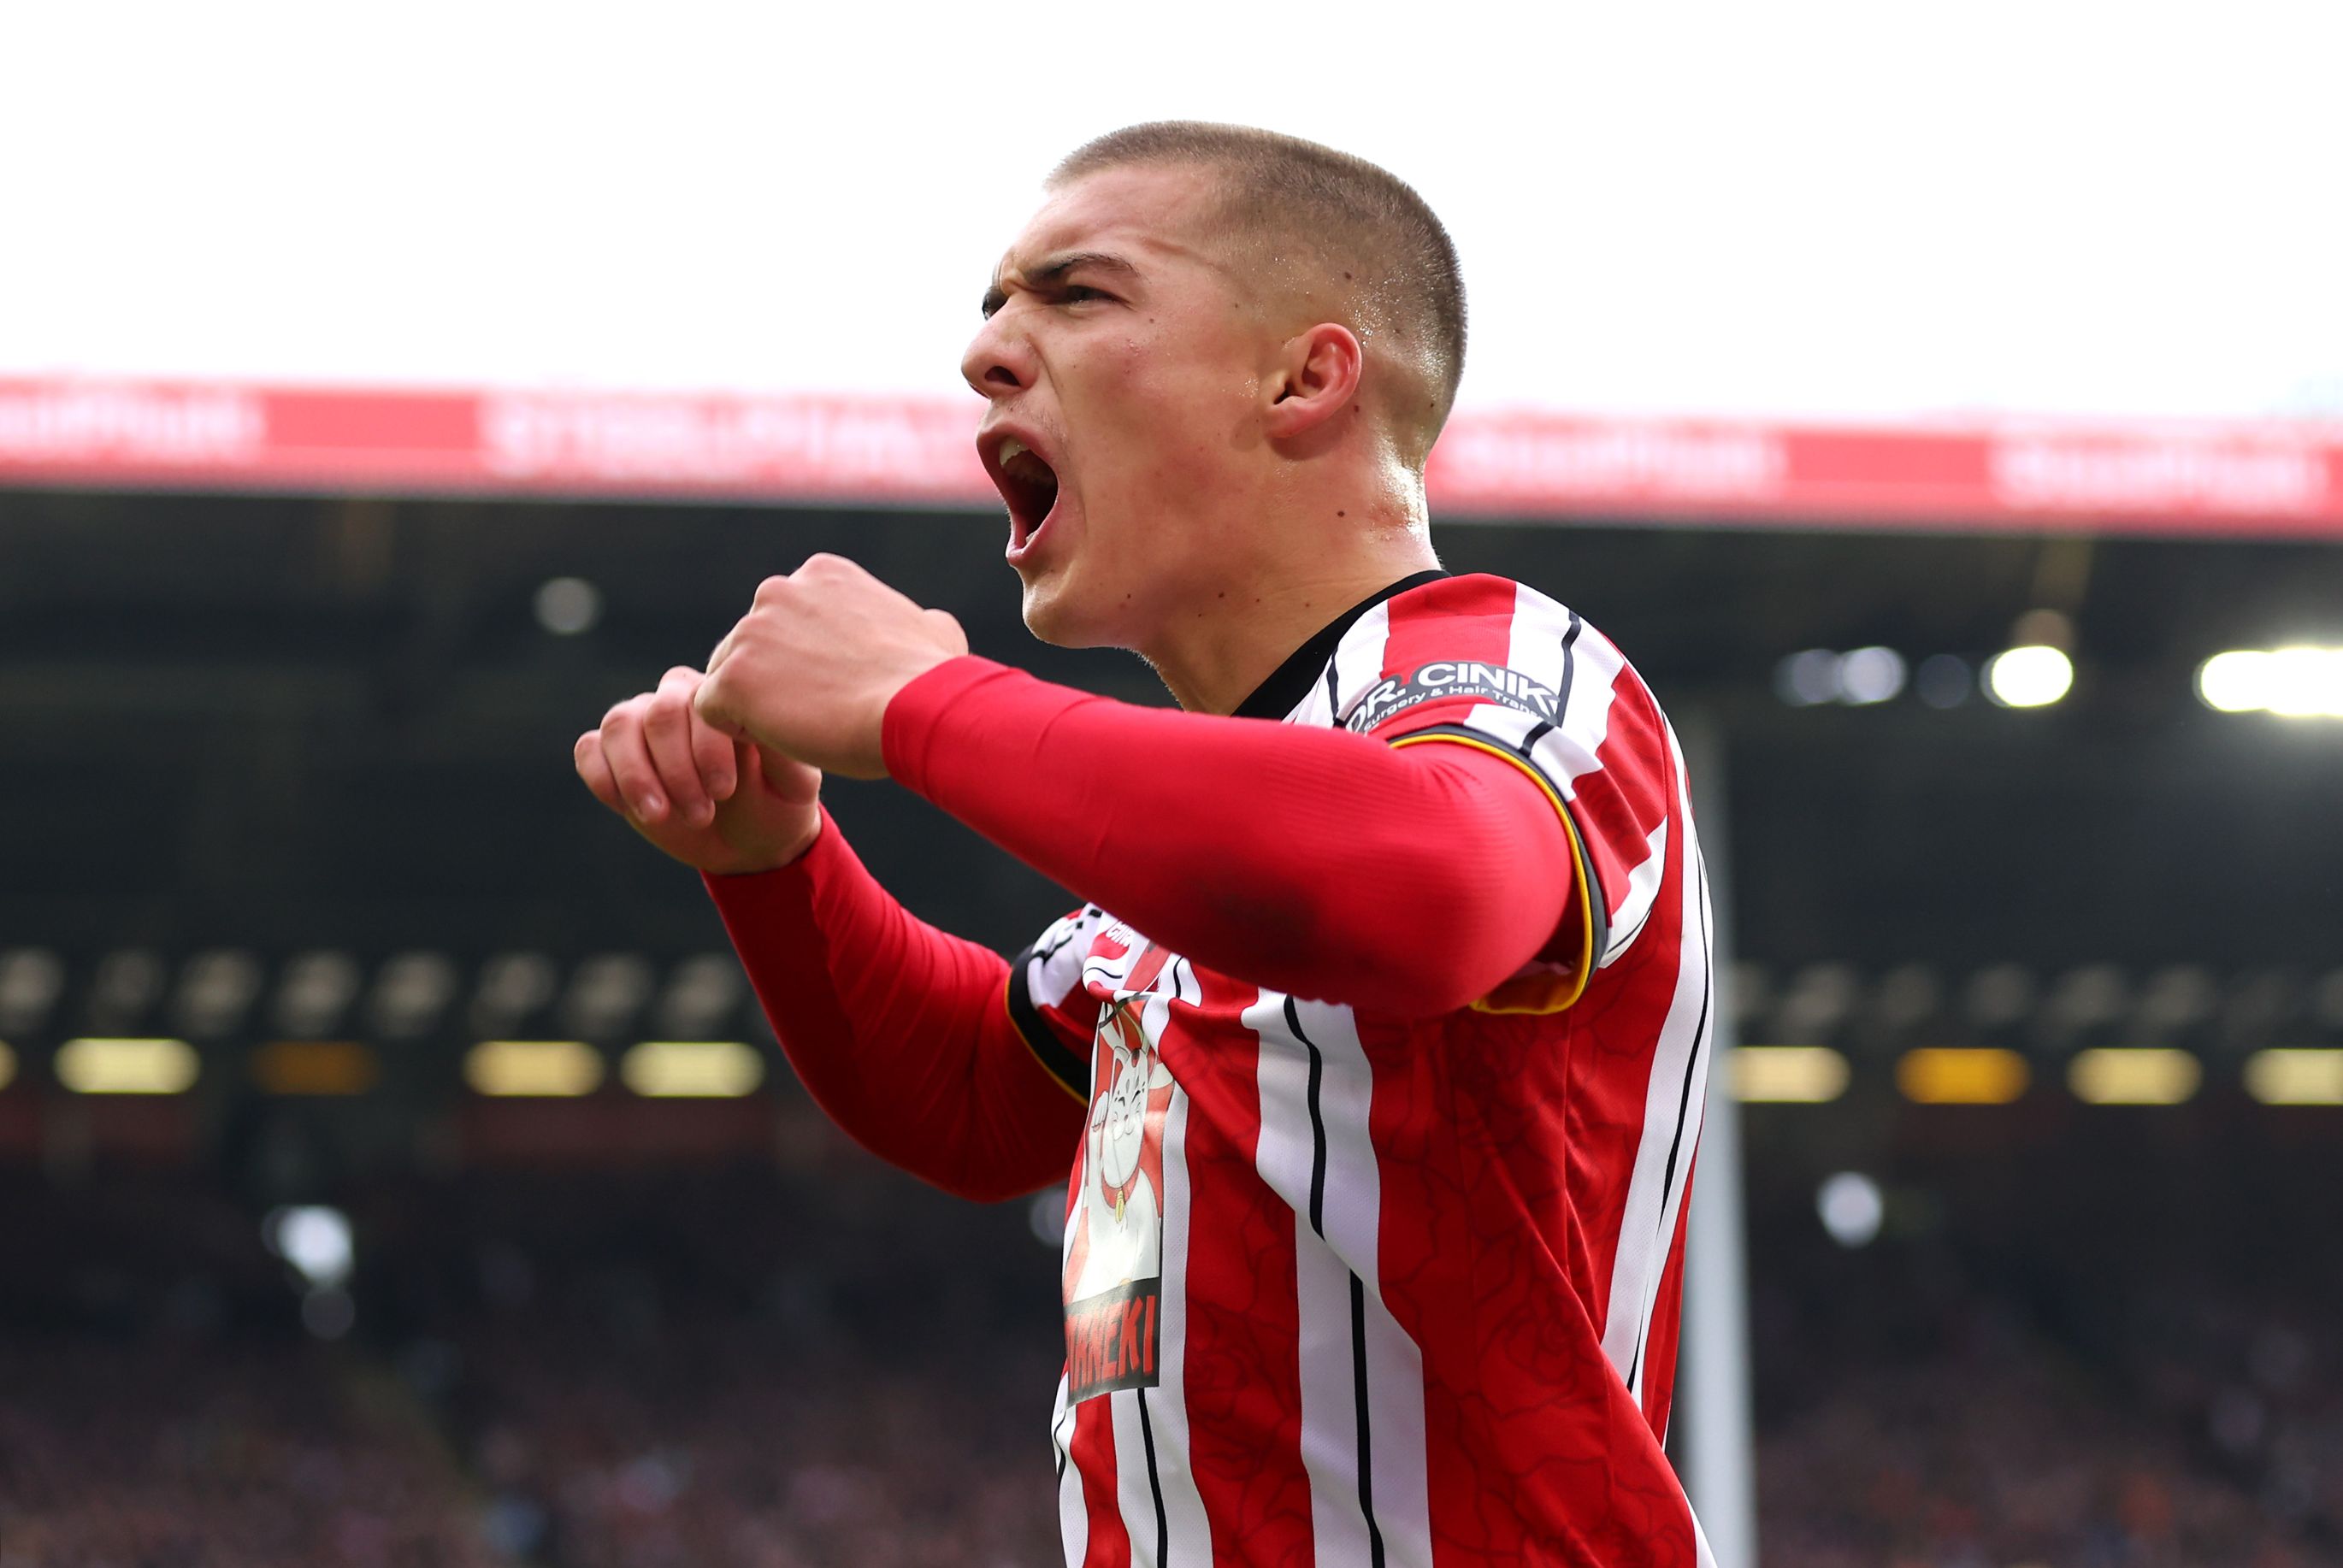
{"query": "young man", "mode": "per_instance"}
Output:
(1377, 1052)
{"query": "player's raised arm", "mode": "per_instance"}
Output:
(896, 1029)
(1408, 882)
(1312, 861)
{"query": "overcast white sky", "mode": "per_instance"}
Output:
(1792, 208)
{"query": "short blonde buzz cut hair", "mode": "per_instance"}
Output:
(1400, 278)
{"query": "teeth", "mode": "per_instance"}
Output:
(1012, 449)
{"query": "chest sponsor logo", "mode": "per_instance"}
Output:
(1449, 678)
(1115, 1254)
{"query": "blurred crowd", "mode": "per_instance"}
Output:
(192, 1455)
(2221, 1444)
(2088, 1352)
(589, 1371)
(829, 1365)
(683, 1375)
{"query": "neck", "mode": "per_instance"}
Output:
(1279, 598)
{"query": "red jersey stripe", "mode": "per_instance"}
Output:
(1244, 1419)
(1091, 1454)
(1456, 617)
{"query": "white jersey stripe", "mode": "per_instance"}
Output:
(1347, 1211)
(1642, 891)
(1386, 1365)
(1362, 1377)
(1691, 1105)
(1330, 1433)
(1139, 1437)
(1357, 665)
(1569, 747)
(1292, 1157)
(1137, 1489)
(1286, 1153)
(1540, 643)
(1073, 1514)
(1702, 1557)
(1672, 1110)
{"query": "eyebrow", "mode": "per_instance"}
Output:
(1052, 273)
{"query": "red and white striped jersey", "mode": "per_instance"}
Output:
(1344, 1290)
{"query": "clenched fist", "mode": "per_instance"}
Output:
(712, 802)
(810, 668)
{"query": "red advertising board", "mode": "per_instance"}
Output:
(2274, 479)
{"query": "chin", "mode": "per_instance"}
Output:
(1048, 615)
(1056, 612)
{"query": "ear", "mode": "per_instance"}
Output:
(1317, 378)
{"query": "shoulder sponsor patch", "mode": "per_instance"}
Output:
(1448, 677)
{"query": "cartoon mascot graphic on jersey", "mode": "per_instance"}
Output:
(1114, 1255)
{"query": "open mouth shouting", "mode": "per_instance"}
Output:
(1027, 482)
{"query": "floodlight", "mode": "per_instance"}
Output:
(2084, 998)
(692, 1070)
(1870, 675)
(1805, 679)
(1939, 1075)
(605, 993)
(104, 1066)
(1851, 1207)
(1816, 1001)
(126, 986)
(1787, 1074)
(1944, 680)
(315, 990)
(2034, 676)
(315, 1239)
(2290, 682)
(512, 987)
(700, 996)
(2144, 1075)
(1908, 996)
(1047, 1216)
(216, 990)
(314, 1067)
(30, 980)
(125, 1067)
(566, 607)
(2179, 997)
(2281, 1077)
(410, 993)
(2000, 995)
(2327, 1000)
(547, 1069)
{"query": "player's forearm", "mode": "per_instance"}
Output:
(1311, 860)
(898, 1030)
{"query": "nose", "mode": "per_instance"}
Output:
(1000, 358)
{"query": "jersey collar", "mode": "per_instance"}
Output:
(1290, 681)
